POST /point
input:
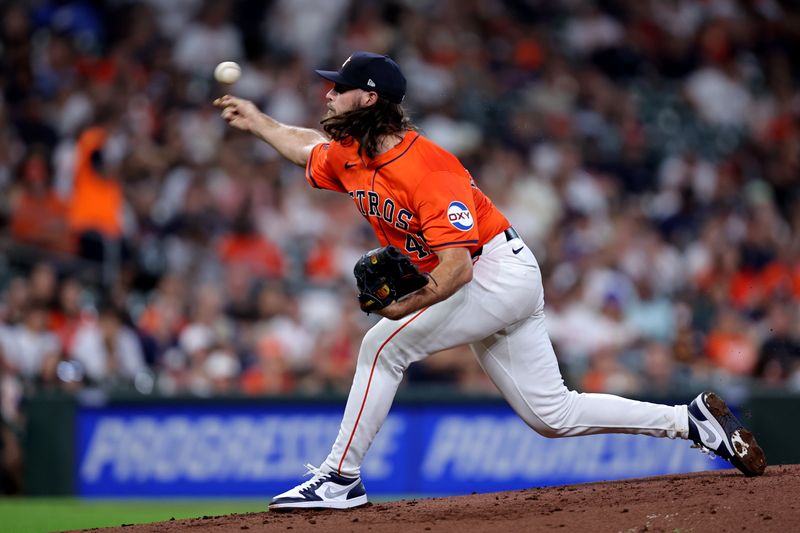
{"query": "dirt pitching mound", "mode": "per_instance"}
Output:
(704, 501)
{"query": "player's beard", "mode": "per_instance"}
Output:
(331, 112)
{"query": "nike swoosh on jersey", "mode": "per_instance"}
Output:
(518, 250)
(331, 493)
(348, 166)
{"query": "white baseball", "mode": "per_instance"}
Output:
(227, 72)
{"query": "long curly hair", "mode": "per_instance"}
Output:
(367, 125)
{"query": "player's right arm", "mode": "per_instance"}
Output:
(292, 142)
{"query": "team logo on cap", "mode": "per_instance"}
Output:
(459, 216)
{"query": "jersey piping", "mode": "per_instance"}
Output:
(309, 166)
(473, 241)
(374, 174)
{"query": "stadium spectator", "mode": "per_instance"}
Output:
(39, 215)
(31, 350)
(96, 202)
(250, 252)
(16, 299)
(269, 373)
(779, 354)
(209, 40)
(108, 351)
(43, 287)
(164, 315)
(220, 375)
(69, 313)
(731, 345)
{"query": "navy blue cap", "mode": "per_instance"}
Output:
(370, 72)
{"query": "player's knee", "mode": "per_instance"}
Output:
(545, 426)
(394, 352)
(553, 421)
(547, 431)
(370, 345)
(373, 342)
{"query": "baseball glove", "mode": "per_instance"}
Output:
(384, 275)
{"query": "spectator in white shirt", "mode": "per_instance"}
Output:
(30, 349)
(107, 349)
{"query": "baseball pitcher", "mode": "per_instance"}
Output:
(452, 271)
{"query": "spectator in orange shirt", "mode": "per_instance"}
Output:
(730, 346)
(39, 216)
(245, 247)
(320, 264)
(96, 205)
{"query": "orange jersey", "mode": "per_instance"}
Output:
(417, 196)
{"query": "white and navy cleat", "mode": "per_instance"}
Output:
(714, 429)
(322, 491)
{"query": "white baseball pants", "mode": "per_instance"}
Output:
(500, 313)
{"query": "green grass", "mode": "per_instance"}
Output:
(37, 515)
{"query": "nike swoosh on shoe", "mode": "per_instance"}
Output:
(331, 493)
(709, 437)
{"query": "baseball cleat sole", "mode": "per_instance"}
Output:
(747, 454)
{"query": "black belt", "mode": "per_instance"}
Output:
(510, 234)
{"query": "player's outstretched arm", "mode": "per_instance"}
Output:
(291, 142)
(453, 272)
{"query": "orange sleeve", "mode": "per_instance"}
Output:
(89, 141)
(319, 168)
(446, 208)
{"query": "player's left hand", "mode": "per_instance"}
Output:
(383, 277)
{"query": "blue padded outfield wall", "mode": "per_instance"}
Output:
(206, 450)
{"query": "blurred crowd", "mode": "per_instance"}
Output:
(647, 150)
